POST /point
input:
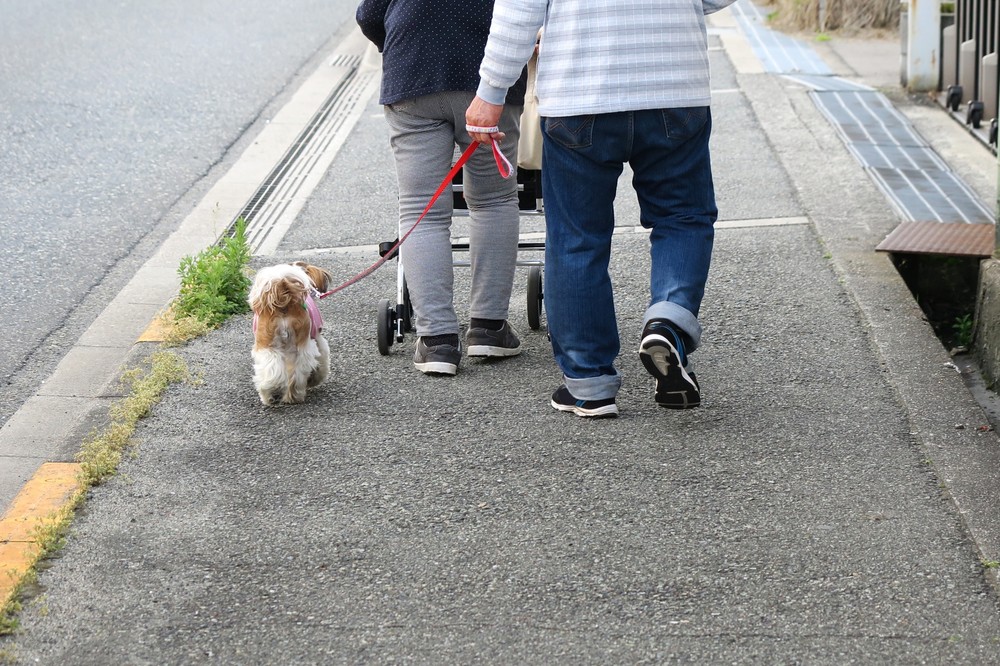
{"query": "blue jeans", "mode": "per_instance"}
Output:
(582, 159)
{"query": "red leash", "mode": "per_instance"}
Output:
(503, 166)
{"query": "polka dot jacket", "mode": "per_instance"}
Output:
(430, 46)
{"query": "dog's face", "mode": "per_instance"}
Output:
(320, 277)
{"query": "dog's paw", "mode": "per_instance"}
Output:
(317, 378)
(294, 396)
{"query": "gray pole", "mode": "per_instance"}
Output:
(922, 50)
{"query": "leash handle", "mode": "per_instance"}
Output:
(503, 165)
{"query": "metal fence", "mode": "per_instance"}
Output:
(969, 76)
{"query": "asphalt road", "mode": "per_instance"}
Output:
(114, 116)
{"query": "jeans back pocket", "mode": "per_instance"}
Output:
(573, 132)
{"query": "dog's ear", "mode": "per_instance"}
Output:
(320, 276)
(281, 294)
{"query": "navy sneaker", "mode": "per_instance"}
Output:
(436, 359)
(564, 401)
(662, 353)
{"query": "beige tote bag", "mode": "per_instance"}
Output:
(529, 146)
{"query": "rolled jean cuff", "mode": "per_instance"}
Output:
(594, 388)
(680, 316)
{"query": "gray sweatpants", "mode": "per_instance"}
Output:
(423, 133)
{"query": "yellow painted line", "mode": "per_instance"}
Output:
(40, 499)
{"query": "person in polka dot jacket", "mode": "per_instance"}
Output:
(431, 51)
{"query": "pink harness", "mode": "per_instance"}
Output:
(315, 317)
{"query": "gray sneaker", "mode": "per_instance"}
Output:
(484, 342)
(436, 360)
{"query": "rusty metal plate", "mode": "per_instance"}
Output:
(950, 239)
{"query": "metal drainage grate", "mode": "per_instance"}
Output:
(867, 117)
(827, 83)
(931, 196)
(917, 182)
(778, 53)
(915, 179)
(266, 208)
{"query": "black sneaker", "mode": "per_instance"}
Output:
(662, 353)
(484, 342)
(440, 359)
(564, 401)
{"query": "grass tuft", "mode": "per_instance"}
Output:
(963, 329)
(178, 330)
(214, 286)
(102, 452)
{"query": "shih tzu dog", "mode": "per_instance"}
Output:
(289, 351)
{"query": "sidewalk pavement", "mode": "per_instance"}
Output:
(833, 500)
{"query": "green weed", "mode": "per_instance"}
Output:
(963, 330)
(214, 283)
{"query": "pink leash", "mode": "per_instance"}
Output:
(503, 166)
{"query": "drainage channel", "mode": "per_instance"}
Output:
(779, 53)
(945, 227)
(914, 179)
(907, 170)
(272, 208)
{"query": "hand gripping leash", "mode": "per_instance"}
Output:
(503, 166)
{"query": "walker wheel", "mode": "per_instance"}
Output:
(535, 297)
(385, 326)
(386, 248)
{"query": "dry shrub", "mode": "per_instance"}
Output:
(844, 15)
